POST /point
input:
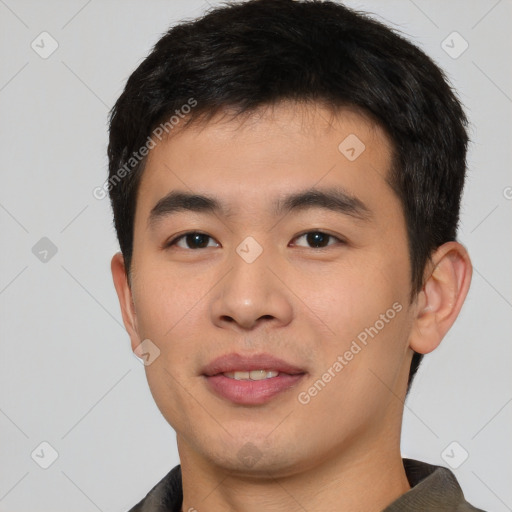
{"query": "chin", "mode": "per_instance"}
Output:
(255, 459)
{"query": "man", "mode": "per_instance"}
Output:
(286, 178)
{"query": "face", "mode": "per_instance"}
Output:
(319, 280)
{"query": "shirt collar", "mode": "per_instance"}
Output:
(433, 488)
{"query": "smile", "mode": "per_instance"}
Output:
(252, 375)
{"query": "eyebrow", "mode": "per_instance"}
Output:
(333, 199)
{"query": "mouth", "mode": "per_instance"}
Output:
(250, 380)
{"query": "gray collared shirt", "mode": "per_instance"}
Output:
(433, 488)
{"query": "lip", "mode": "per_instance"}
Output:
(247, 392)
(234, 361)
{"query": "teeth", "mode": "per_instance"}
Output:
(262, 374)
(239, 375)
(252, 375)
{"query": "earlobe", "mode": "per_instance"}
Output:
(124, 294)
(446, 286)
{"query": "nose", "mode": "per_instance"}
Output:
(251, 295)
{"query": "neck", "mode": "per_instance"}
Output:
(351, 481)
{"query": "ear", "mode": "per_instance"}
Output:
(124, 294)
(446, 284)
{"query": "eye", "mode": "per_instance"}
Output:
(197, 240)
(192, 240)
(318, 239)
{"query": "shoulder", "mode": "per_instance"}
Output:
(165, 496)
(432, 488)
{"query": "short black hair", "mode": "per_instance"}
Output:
(241, 56)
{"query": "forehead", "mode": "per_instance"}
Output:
(250, 161)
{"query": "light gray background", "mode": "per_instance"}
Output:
(67, 373)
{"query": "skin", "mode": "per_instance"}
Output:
(302, 304)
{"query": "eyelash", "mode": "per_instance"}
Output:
(184, 235)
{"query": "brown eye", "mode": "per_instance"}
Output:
(191, 240)
(318, 239)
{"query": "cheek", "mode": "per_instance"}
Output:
(351, 296)
(169, 313)
(165, 300)
(168, 305)
(361, 314)
(365, 354)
